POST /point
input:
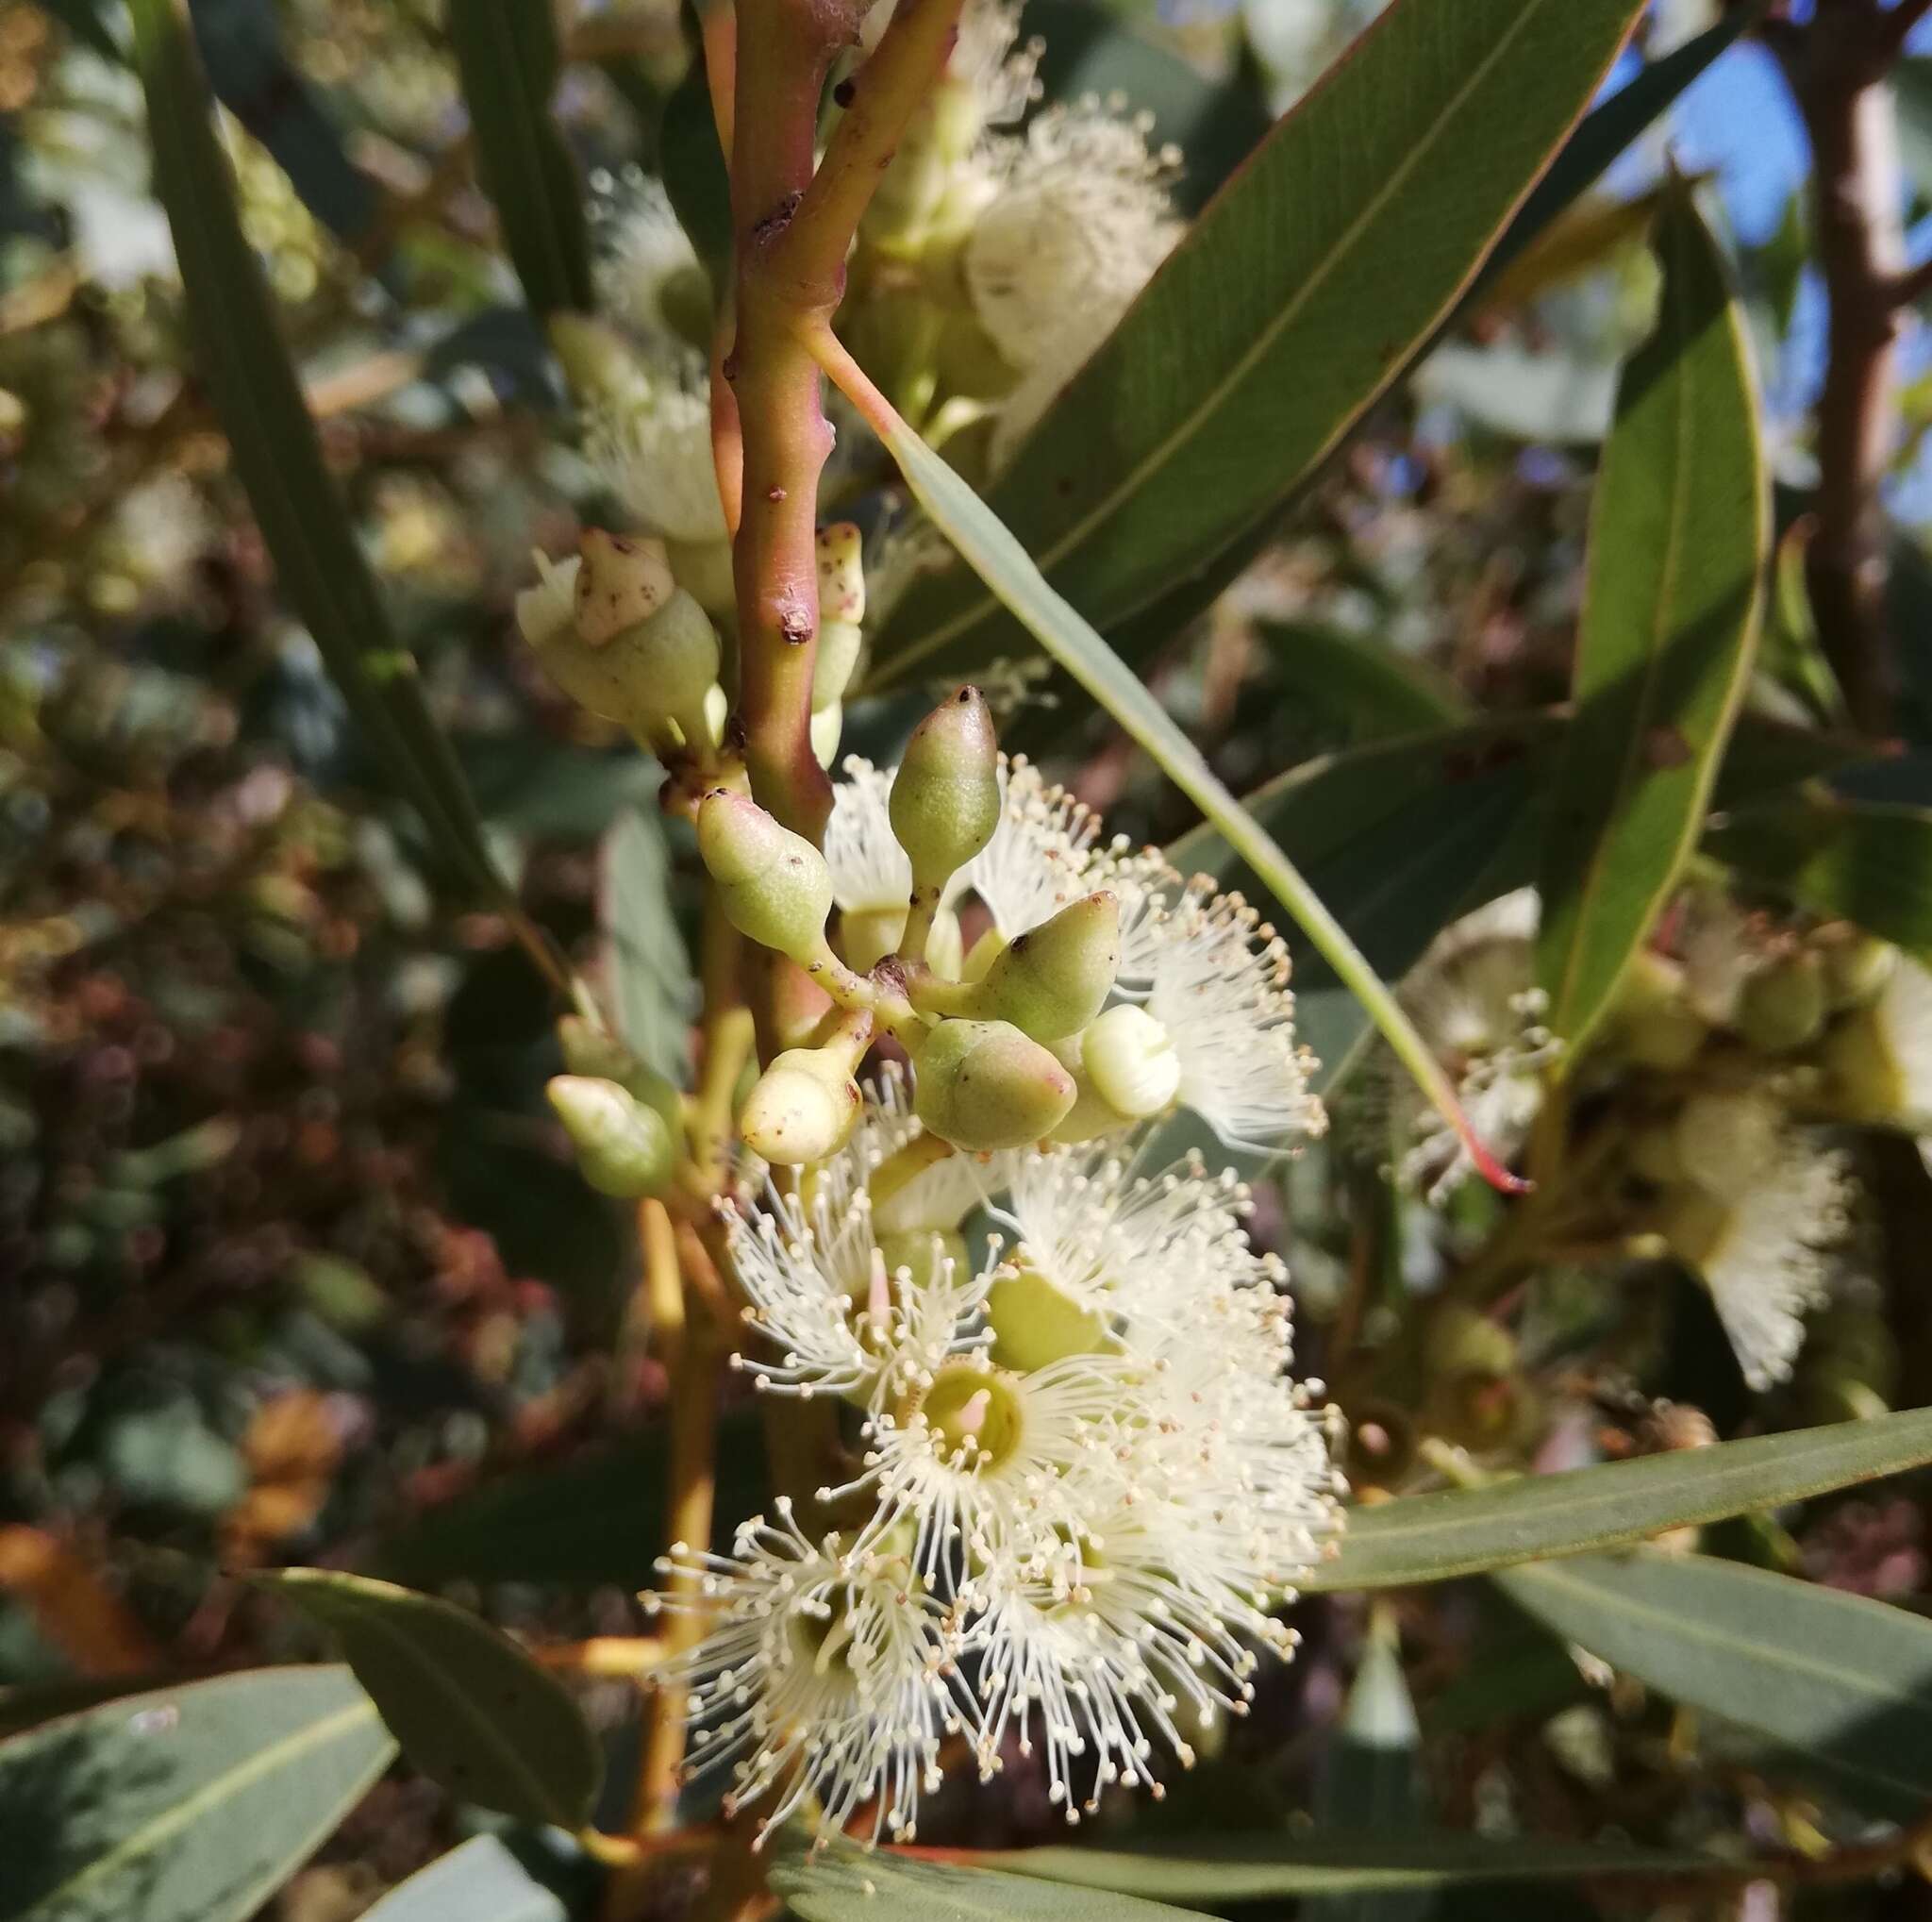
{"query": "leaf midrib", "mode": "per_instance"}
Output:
(1158, 455)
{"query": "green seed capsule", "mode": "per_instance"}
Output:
(774, 884)
(983, 1085)
(624, 1146)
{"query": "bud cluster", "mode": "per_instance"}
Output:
(1711, 1095)
(1100, 993)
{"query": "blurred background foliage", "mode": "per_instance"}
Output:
(295, 1264)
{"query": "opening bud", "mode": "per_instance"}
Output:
(773, 884)
(1782, 1007)
(945, 799)
(802, 1109)
(622, 580)
(624, 1146)
(1130, 1058)
(1054, 979)
(984, 1085)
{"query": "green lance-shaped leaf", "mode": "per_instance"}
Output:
(1292, 303)
(186, 1804)
(1338, 1861)
(999, 559)
(1867, 861)
(1466, 1531)
(259, 402)
(649, 965)
(842, 1884)
(507, 53)
(1843, 1685)
(471, 1709)
(1678, 540)
(481, 1882)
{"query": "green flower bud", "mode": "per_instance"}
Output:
(774, 884)
(1856, 967)
(838, 655)
(945, 799)
(624, 1146)
(678, 647)
(802, 1108)
(594, 1051)
(1055, 979)
(1655, 1025)
(1130, 1058)
(983, 1085)
(1782, 1007)
(841, 574)
(623, 579)
(1035, 1324)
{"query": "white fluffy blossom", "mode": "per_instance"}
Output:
(654, 453)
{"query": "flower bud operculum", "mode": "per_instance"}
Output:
(623, 579)
(802, 1109)
(624, 1146)
(984, 1085)
(945, 800)
(774, 884)
(1130, 1058)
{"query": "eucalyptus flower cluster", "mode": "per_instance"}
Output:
(1716, 1104)
(1101, 991)
(1083, 1482)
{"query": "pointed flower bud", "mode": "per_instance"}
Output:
(945, 799)
(624, 1146)
(774, 884)
(1130, 1058)
(676, 651)
(802, 1109)
(1054, 979)
(596, 1052)
(983, 1085)
(624, 580)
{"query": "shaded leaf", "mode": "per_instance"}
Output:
(1466, 1531)
(481, 1882)
(319, 564)
(506, 55)
(695, 179)
(842, 1884)
(1864, 861)
(1374, 688)
(1679, 538)
(188, 1804)
(1842, 1684)
(1250, 1868)
(471, 1709)
(649, 968)
(1247, 358)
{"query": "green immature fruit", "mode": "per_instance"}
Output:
(774, 884)
(945, 799)
(596, 1052)
(1053, 980)
(983, 1085)
(1782, 1007)
(802, 1109)
(624, 1146)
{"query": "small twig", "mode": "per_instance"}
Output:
(624, 1657)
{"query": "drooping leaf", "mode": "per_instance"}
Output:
(471, 1709)
(1213, 125)
(507, 53)
(649, 966)
(480, 1882)
(1466, 1531)
(319, 564)
(1864, 861)
(1678, 539)
(188, 1804)
(1256, 1868)
(842, 1884)
(1842, 1684)
(1248, 357)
